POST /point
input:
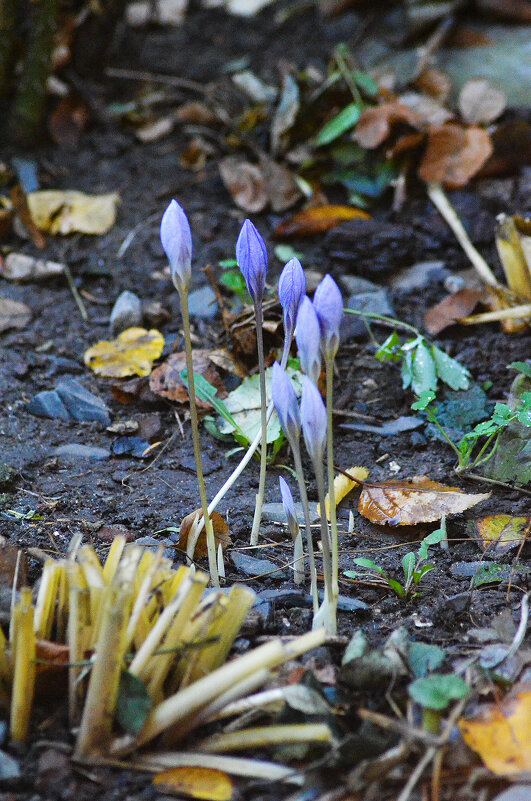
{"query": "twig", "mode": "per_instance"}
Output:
(169, 80)
(73, 289)
(477, 477)
(398, 726)
(131, 235)
(437, 38)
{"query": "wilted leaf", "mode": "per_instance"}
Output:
(208, 784)
(454, 155)
(316, 220)
(221, 533)
(480, 103)
(344, 485)
(19, 201)
(412, 501)
(344, 121)
(281, 187)
(244, 182)
(499, 733)
(131, 353)
(435, 83)
(428, 110)
(451, 309)
(166, 379)
(13, 314)
(501, 532)
(67, 212)
(436, 691)
(375, 123)
(286, 112)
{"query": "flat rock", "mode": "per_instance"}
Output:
(151, 543)
(375, 301)
(9, 767)
(420, 276)
(252, 566)
(126, 312)
(202, 303)
(69, 401)
(77, 451)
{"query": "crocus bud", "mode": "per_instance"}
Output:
(308, 335)
(291, 290)
(176, 239)
(251, 255)
(285, 401)
(313, 418)
(328, 304)
(289, 508)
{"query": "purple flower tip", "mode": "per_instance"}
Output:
(308, 335)
(176, 239)
(328, 304)
(285, 401)
(313, 417)
(251, 255)
(289, 507)
(291, 290)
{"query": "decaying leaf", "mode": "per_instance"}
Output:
(286, 112)
(454, 155)
(500, 732)
(13, 314)
(501, 532)
(221, 533)
(208, 784)
(317, 219)
(244, 182)
(375, 123)
(428, 110)
(414, 500)
(344, 485)
(480, 103)
(131, 353)
(281, 187)
(166, 379)
(451, 309)
(65, 212)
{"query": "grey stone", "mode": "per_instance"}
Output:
(9, 767)
(76, 451)
(274, 512)
(202, 303)
(48, 404)
(252, 566)
(353, 285)
(420, 276)
(8, 475)
(374, 301)
(81, 404)
(126, 312)
(151, 543)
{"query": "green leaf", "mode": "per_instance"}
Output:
(522, 367)
(502, 415)
(418, 574)
(228, 264)
(206, 392)
(368, 563)
(133, 703)
(408, 565)
(285, 252)
(524, 412)
(345, 120)
(234, 280)
(367, 84)
(424, 658)
(424, 374)
(396, 587)
(450, 370)
(407, 370)
(432, 539)
(424, 401)
(390, 350)
(436, 691)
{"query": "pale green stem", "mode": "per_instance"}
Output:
(327, 614)
(263, 416)
(329, 361)
(296, 450)
(211, 542)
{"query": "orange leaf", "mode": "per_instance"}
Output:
(451, 309)
(454, 155)
(414, 500)
(194, 782)
(316, 220)
(221, 533)
(374, 125)
(500, 732)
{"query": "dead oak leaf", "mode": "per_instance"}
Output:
(414, 500)
(454, 155)
(166, 380)
(375, 123)
(451, 309)
(221, 533)
(245, 183)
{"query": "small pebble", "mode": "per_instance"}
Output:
(126, 312)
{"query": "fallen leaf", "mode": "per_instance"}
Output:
(155, 130)
(222, 357)
(428, 110)
(196, 113)
(68, 121)
(244, 182)
(454, 155)
(221, 533)
(501, 532)
(13, 314)
(23, 268)
(344, 485)
(411, 501)
(65, 212)
(209, 784)
(375, 123)
(6, 221)
(435, 83)
(52, 652)
(131, 353)
(285, 113)
(280, 185)
(499, 733)
(166, 379)
(136, 389)
(480, 103)
(316, 220)
(451, 309)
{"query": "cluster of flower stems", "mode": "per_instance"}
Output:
(315, 327)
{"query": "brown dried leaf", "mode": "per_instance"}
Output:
(196, 113)
(13, 314)
(221, 533)
(280, 184)
(480, 103)
(454, 155)
(244, 182)
(316, 220)
(375, 123)
(68, 121)
(166, 380)
(136, 389)
(435, 83)
(429, 111)
(414, 500)
(451, 309)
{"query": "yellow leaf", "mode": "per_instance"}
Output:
(501, 532)
(66, 212)
(344, 485)
(131, 353)
(208, 784)
(500, 733)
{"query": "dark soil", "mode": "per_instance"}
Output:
(144, 497)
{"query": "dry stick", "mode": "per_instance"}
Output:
(155, 77)
(73, 289)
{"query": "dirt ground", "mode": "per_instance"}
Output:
(75, 495)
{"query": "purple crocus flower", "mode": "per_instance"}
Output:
(285, 401)
(176, 239)
(308, 335)
(328, 304)
(291, 290)
(251, 255)
(313, 418)
(289, 507)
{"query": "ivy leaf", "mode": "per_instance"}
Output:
(436, 691)
(450, 370)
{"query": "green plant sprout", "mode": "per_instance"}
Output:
(412, 565)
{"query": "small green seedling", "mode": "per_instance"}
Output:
(434, 694)
(412, 565)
